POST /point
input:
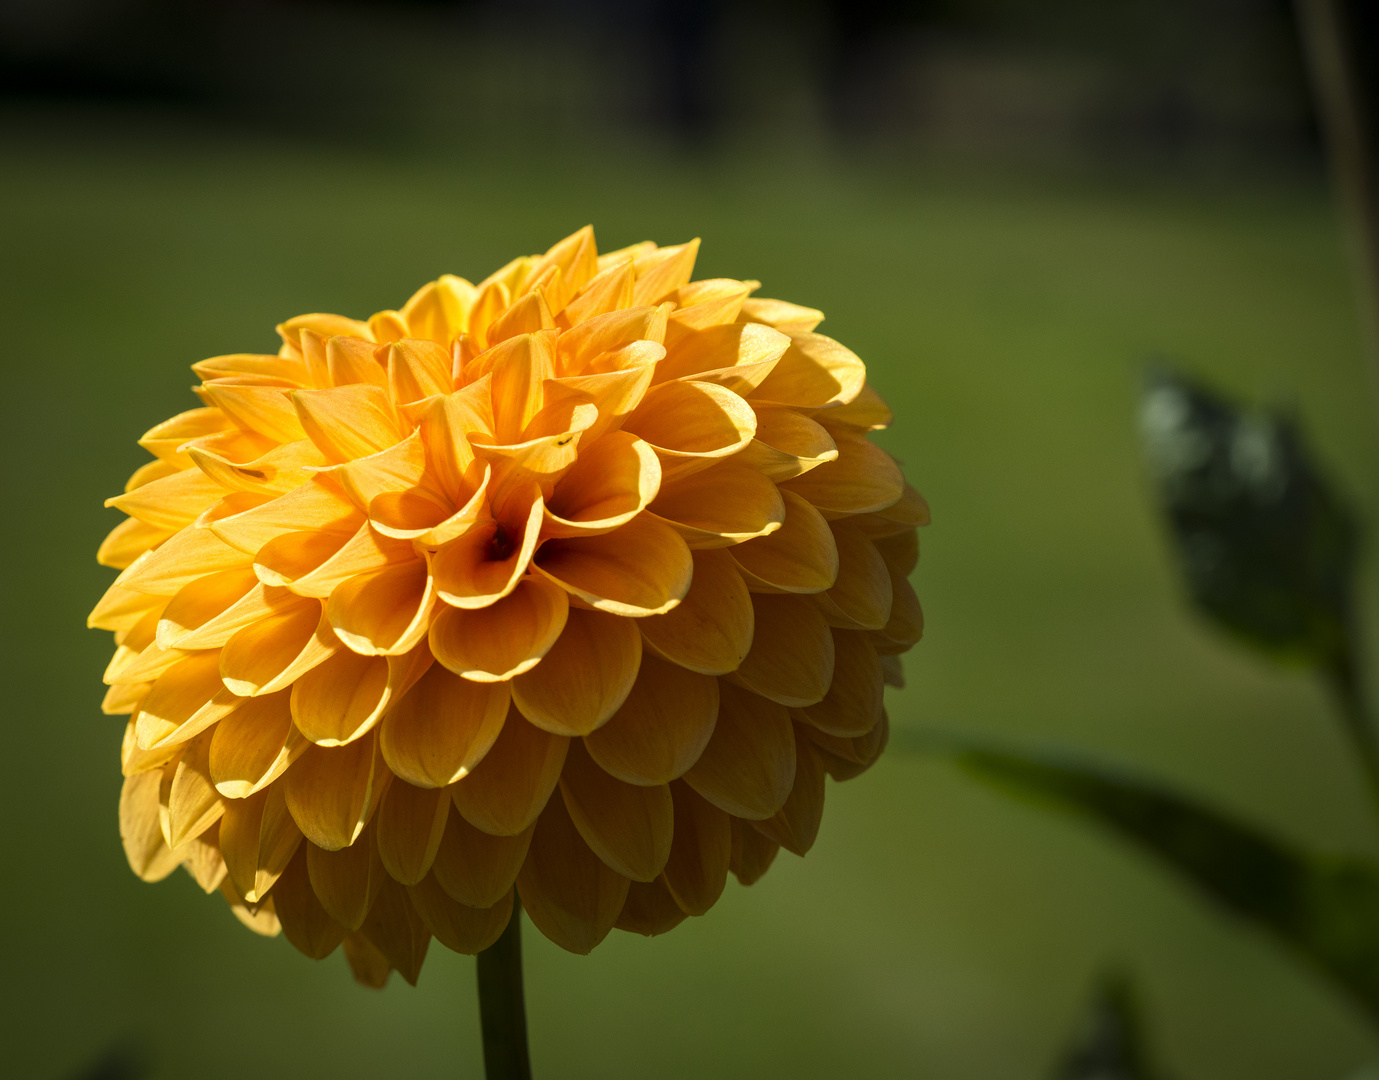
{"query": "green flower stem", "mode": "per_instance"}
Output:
(502, 1010)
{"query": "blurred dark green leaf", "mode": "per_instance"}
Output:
(1112, 1044)
(1267, 547)
(1325, 907)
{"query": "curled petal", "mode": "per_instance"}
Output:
(315, 563)
(791, 661)
(611, 482)
(254, 745)
(710, 630)
(784, 316)
(569, 892)
(487, 562)
(584, 678)
(476, 868)
(148, 853)
(697, 868)
(788, 444)
(347, 880)
(725, 504)
(853, 703)
(815, 371)
(132, 537)
(748, 767)
(410, 823)
(332, 792)
(862, 479)
(257, 838)
(202, 600)
(796, 825)
(661, 729)
(507, 791)
(345, 696)
(692, 424)
(384, 612)
(506, 638)
(173, 502)
(628, 826)
(643, 568)
(184, 701)
(347, 422)
(458, 927)
(800, 557)
(305, 921)
(442, 728)
(193, 804)
(165, 441)
(273, 653)
(179, 560)
(263, 410)
(319, 505)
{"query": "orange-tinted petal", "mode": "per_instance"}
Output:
(585, 676)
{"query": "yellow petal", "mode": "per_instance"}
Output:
(752, 853)
(275, 472)
(410, 823)
(571, 895)
(661, 272)
(263, 410)
(585, 676)
(475, 868)
(487, 562)
(711, 302)
(439, 310)
(628, 826)
(272, 653)
(509, 788)
(788, 444)
(649, 909)
(853, 703)
(348, 422)
(194, 805)
(796, 825)
(906, 625)
(610, 483)
(815, 371)
(697, 868)
(347, 880)
(591, 338)
(183, 558)
(662, 727)
(867, 411)
(864, 478)
(710, 631)
(395, 469)
(416, 370)
(202, 860)
(800, 557)
(368, 966)
(305, 922)
(748, 767)
(148, 854)
(504, 639)
(170, 503)
(643, 568)
(442, 728)
(124, 699)
(181, 630)
(397, 931)
(791, 661)
(184, 702)
(200, 601)
(861, 598)
(610, 290)
(446, 424)
(253, 746)
(340, 699)
(279, 369)
(784, 316)
(258, 838)
(460, 928)
(132, 537)
(165, 440)
(384, 612)
(721, 349)
(333, 791)
(317, 506)
(727, 503)
(692, 424)
(323, 324)
(260, 917)
(316, 563)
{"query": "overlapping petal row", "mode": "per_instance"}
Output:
(576, 582)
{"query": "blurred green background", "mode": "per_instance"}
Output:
(937, 930)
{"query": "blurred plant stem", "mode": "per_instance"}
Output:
(1347, 113)
(502, 1007)
(1343, 676)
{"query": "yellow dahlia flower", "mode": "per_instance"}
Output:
(587, 525)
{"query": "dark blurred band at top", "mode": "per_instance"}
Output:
(1168, 78)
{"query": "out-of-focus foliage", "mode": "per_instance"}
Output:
(1267, 547)
(1111, 1044)
(1325, 907)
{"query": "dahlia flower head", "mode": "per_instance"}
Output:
(571, 585)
